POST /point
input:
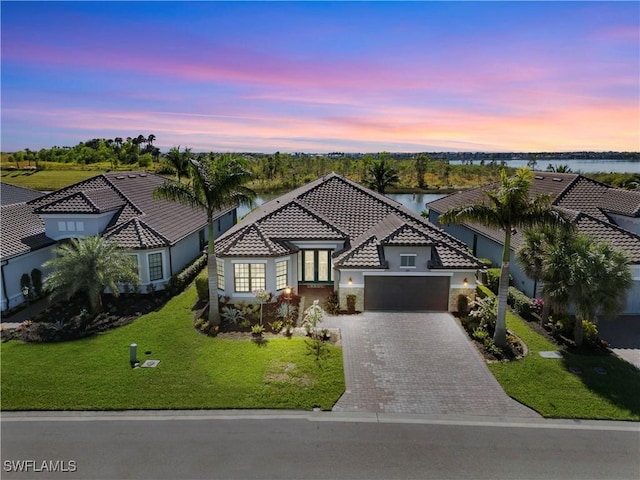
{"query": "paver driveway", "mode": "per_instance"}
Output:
(416, 363)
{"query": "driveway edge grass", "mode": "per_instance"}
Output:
(548, 387)
(195, 371)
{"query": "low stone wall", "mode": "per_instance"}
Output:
(470, 293)
(357, 291)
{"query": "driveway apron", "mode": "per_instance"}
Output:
(419, 363)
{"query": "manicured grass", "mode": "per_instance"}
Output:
(547, 385)
(194, 371)
(46, 180)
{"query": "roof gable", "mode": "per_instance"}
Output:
(294, 221)
(356, 210)
(332, 208)
(135, 234)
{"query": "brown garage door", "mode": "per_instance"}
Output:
(406, 293)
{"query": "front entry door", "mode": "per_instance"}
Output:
(315, 266)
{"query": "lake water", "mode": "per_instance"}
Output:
(577, 166)
(417, 201)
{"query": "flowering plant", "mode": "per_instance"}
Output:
(536, 305)
(262, 294)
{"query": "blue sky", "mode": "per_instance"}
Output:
(324, 76)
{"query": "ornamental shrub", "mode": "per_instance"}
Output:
(519, 302)
(202, 287)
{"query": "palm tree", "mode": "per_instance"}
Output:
(559, 168)
(532, 254)
(89, 265)
(381, 175)
(179, 161)
(509, 207)
(216, 182)
(592, 276)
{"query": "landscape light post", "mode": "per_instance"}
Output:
(287, 297)
(25, 293)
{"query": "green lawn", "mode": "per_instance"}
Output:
(194, 371)
(547, 386)
(46, 180)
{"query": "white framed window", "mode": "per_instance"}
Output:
(71, 226)
(220, 271)
(62, 226)
(282, 274)
(155, 266)
(249, 276)
(408, 260)
(80, 226)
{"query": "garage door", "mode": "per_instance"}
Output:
(406, 293)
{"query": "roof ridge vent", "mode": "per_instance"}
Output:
(143, 174)
(120, 177)
(539, 177)
(556, 179)
(133, 175)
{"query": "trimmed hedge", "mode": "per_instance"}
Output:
(180, 280)
(482, 291)
(202, 286)
(519, 302)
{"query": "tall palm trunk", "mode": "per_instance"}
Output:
(500, 334)
(212, 274)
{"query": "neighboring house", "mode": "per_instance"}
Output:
(162, 236)
(23, 243)
(334, 232)
(605, 213)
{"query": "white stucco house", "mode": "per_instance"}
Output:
(603, 212)
(162, 236)
(335, 233)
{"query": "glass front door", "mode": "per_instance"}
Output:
(315, 266)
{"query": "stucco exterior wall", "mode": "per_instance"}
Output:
(487, 248)
(184, 252)
(13, 270)
(393, 254)
(91, 225)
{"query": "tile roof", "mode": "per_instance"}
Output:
(139, 220)
(21, 231)
(11, 194)
(335, 208)
(135, 234)
(584, 201)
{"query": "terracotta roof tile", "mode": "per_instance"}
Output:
(366, 255)
(620, 239)
(135, 234)
(22, 231)
(443, 256)
(333, 208)
(250, 242)
(11, 194)
(582, 200)
(330, 198)
(298, 222)
(624, 202)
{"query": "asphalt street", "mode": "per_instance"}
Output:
(322, 445)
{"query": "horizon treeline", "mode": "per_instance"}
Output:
(281, 171)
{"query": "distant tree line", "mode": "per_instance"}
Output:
(115, 151)
(382, 171)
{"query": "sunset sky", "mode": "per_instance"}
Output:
(324, 76)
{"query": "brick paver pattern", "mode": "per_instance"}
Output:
(420, 363)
